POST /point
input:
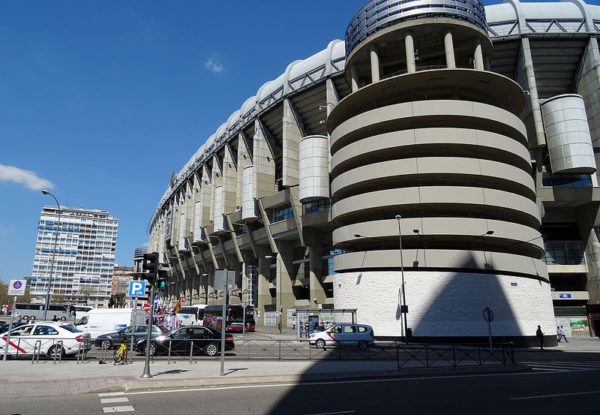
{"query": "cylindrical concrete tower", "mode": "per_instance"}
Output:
(431, 180)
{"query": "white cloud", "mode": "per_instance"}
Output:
(26, 177)
(213, 66)
(5, 230)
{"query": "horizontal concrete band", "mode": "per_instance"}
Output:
(462, 201)
(458, 260)
(442, 112)
(470, 228)
(465, 171)
(431, 142)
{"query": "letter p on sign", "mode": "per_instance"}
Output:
(137, 288)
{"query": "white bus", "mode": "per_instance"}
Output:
(30, 311)
(191, 315)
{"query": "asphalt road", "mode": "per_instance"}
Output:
(557, 387)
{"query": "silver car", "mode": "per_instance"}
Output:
(344, 334)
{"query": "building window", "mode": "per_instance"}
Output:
(564, 253)
(566, 180)
(283, 213)
(316, 206)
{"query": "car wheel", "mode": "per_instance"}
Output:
(320, 344)
(106, 344)
(25, 318)
(56, 352)
(211, 349)
(362, 345)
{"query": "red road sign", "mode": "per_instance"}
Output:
(146, 307)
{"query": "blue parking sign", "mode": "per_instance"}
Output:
(137, 288)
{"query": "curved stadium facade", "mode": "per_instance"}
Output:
(439, 161)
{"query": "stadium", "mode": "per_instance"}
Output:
(437, 163)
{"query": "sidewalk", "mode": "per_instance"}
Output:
(63, 378)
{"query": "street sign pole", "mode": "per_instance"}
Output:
(10, 326)
(224, 323)
(488, 315)
(244, 318)
(146, 373)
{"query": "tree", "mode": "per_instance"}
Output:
(117, 300)
(86, 291)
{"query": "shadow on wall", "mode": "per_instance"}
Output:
(456, 313)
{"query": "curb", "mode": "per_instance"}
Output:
(152, 384)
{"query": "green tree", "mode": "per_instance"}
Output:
(86, 291)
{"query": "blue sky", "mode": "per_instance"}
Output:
(101, 100)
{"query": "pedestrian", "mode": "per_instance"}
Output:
(563, 335)
(540, 336)
(18, 317)
(558, 333)
(55, 318)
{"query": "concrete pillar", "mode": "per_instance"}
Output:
(588, 86)
(264, 164)
(409, 46)
(533, 94)
(374, 65)
(292, 133)
(449, 48)
(354, 75)
(244, 160)
(264, 281)
(316, 269)
(285, 298)
(478, 57)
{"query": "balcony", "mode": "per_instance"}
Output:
(565, 257)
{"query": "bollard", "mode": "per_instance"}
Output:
(37, 346)
(191, 351)
(169, 360)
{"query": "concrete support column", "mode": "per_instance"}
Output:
(374, 65)
(354, 75)
(449, 48)
(588, 86)
(409, 46)
(478, 57)
(533, 93)
(264, 163)
(285, 298)
(264, 282)
(316, 269)
(292, 133)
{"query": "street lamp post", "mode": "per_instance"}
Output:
(404, 307)
(47, 303)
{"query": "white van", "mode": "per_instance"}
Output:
(108, 320)
(191, 315)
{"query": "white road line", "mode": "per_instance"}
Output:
(334, 413)
(111, 409)
(114, 400)
(112, 394)
(341, 382)
(554, 396)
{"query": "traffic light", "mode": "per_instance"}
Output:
(161, 281)
(151, 265)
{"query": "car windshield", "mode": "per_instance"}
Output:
(71, 329)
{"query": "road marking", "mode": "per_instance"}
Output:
(558, 395)
(114, 400)
(111, 409)
(111, 394)
(334, 413)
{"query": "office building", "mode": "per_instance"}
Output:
(84, 258)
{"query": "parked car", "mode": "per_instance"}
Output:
(180, 341)
(115, 339)
(4, 325)
(344, 334)
(54, 339)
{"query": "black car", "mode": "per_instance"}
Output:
(182, 341)
(113, 340)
